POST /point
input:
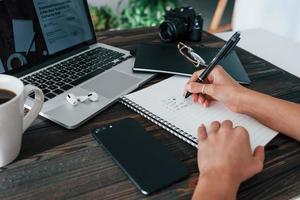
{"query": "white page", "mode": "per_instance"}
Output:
(166, 101)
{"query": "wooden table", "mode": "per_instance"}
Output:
(56, 163)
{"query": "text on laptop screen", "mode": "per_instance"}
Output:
(32, 30)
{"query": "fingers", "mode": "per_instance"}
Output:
(201, 98)
(259, 156)
(192, 79)
(202, 134)
(208, 100)
(211, 77)
(206, 103)
(217, 70)
(214, 127)
(194, 97)
(259, 153)
(227, 124)
(194, 87)
(205, 88)
(195, 75)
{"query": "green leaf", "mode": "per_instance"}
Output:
(137, 13)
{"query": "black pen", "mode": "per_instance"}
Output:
(226, 49)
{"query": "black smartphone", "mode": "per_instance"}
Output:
(148, 164)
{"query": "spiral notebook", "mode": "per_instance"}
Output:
(164, 104)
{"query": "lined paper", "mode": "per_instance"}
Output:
(166, 101)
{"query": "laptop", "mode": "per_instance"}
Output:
(52, 45)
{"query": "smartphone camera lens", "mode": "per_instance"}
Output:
(97, 130)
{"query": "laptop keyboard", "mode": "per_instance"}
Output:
(61, 77)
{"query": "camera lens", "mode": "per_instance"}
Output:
(167, 31)
(172, 30)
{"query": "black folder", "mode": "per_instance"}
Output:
(165, 58)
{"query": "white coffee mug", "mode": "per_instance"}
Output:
(13, 123)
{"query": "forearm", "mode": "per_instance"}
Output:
(209, 187)
(280, 115)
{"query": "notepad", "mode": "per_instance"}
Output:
(165, 58)
(164, 104)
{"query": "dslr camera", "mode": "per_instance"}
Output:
(181, 23)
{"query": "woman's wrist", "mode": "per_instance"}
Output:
(244, 95)
(209, 183)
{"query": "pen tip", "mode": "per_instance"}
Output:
(187, 95)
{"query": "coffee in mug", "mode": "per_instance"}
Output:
(13, 123)
(6, 95)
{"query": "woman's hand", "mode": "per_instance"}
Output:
(225, 151)
(218, 86)
(225, 159)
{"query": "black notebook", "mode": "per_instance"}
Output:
(165, 58)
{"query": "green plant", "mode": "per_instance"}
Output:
(104, 18)
(136, 14)
(141, 13)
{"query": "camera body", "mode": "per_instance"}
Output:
(181, 23)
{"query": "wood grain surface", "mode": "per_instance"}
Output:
(55, 163)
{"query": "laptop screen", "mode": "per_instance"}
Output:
(33, 30)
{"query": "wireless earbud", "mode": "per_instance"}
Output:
(93, 96)
(72, 99)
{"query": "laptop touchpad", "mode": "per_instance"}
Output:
(111, 84)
